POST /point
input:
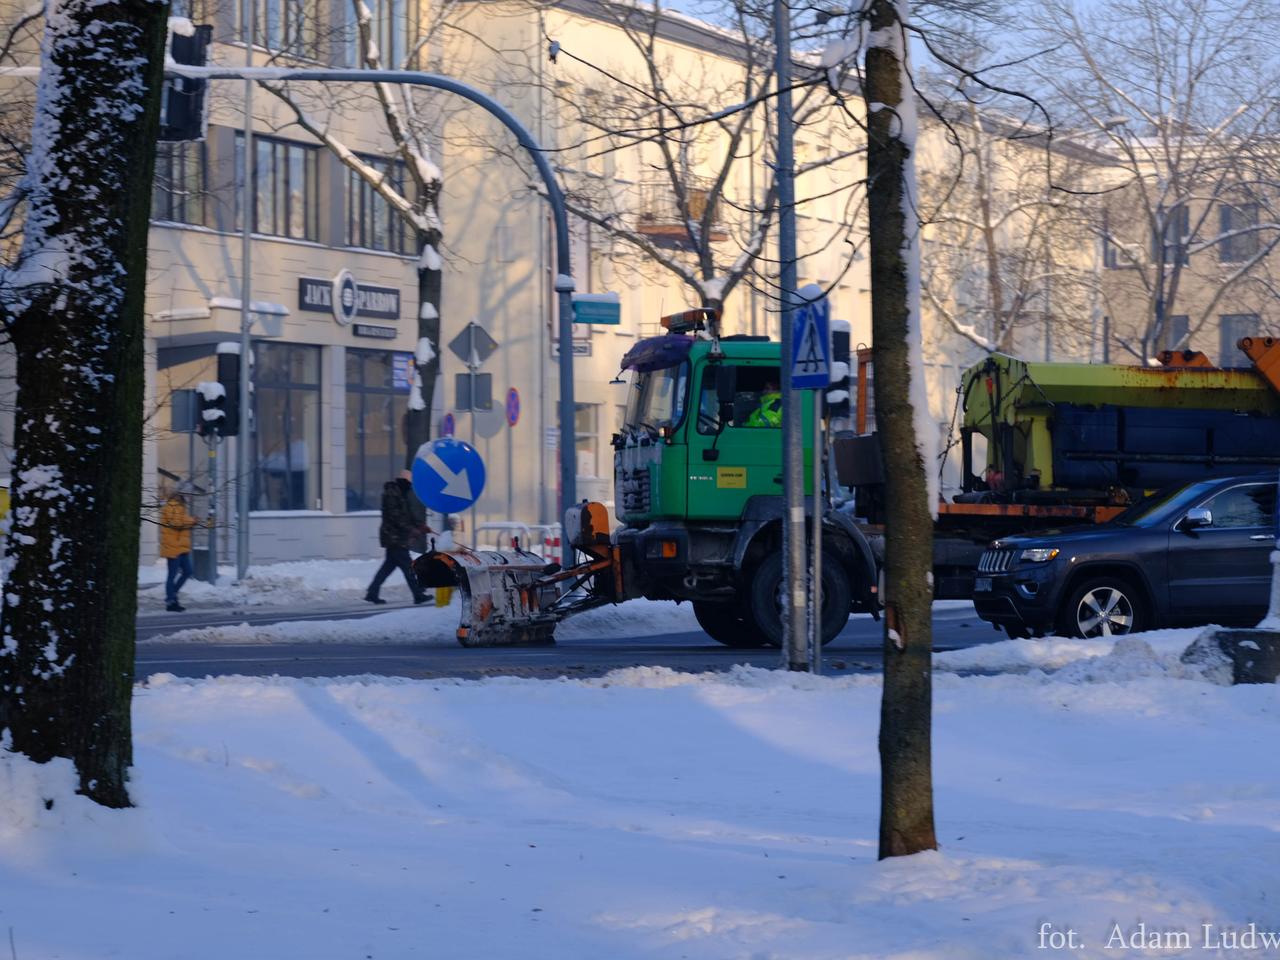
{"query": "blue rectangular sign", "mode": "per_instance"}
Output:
(811, 345)
(597, 308)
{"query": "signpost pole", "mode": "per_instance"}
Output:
(819, 505)
(212, 440)
(809, 365)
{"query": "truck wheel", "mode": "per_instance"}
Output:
(766, 599)
(1105, 607)
(725, 624)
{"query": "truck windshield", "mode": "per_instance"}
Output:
(657, 398)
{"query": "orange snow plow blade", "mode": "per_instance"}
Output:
(505, 598)
(514, 597)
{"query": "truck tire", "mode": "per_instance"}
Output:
(1103, 607)
(766, 599)
(724, 623)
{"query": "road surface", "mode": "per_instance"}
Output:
(857, 649)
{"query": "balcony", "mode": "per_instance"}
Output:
(660, 218)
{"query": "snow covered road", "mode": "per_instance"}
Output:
(653, 815)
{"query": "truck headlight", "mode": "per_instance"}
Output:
(1038, 554)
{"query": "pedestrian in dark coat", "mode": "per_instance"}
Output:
(397, 530)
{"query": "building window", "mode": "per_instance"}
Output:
(181, 186)
(286, 26)
(1242, 246)
(394, 30)
(1176, 329)
(371, 221)
(586, 437)
(1177, 236)
(286, 188)
(286, 416)
(1234, 327)
(377, 403)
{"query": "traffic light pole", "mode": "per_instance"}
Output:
(555, 197)
(212, 440)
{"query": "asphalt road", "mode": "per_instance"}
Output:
(857, 649)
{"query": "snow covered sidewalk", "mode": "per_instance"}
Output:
(652, 815)
(327, 582)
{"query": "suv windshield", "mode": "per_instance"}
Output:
(657, 398)
(1165, 505)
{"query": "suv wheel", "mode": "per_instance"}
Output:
(1106, 607)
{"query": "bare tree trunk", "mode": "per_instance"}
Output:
(430, 287)
(74, 305)
(906, 782)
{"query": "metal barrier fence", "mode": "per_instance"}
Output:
(540, 538)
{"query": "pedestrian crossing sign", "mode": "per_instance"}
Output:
(811, 341)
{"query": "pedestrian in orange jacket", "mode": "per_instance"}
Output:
(176, 525)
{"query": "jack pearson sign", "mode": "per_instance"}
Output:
(347, 300)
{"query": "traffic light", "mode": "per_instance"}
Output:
(229, 380)
(841, 367)
(211, 398)
(184, 100)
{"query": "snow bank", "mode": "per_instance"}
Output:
(1056, 653)
(648, 815)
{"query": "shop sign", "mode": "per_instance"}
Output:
(347, 299)
(373, 331)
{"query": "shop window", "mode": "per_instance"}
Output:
(371, 221)
(286, 439)
(286, 188)
(377, 403)
(180, 188)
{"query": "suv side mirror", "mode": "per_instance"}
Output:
(1197, 517)
(726, 390)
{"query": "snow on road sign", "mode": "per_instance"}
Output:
(448, 475)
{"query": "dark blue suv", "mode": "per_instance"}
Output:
(1197, 554)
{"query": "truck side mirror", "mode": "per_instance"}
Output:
(726, 390)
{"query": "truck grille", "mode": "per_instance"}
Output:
(996, 561)
(634, 490)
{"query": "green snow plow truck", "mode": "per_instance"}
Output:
(698, 495)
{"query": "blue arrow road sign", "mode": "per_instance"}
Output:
(811, 341)
(448, 475)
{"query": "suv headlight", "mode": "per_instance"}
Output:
(1038, 554)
